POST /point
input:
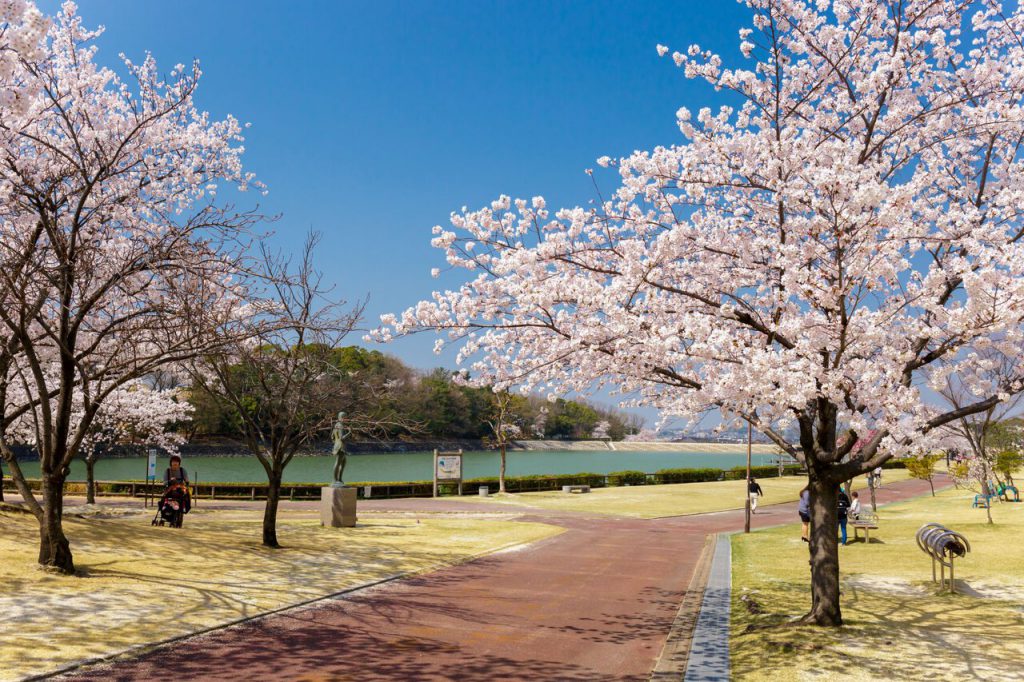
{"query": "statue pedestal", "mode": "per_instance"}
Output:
(338, 507)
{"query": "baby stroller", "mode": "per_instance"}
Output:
(173, 505)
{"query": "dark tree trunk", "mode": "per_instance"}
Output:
(270, 511)
(90, 480)
(874, 505)
(824, 554)
(501, 471)
(986, 490)
(1, 482)
(54, 549)
(931, 485)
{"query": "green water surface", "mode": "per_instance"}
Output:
(415, 466)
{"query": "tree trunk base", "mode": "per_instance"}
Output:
(819, 619)
(55, 555)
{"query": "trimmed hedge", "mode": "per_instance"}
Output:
(516, 484)
(627, 478)
(740, 473)
(688, 475)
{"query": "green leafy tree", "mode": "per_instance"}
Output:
(923, 468)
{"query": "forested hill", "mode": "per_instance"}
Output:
(433, 407)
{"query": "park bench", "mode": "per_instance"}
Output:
(1003, 490)
(867, 522)
(982, 500)
(942, 545)
(575, 488)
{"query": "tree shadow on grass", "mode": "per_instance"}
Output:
(887, 635)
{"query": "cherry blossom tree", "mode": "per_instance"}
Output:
(133, 415)
(116, 257)
(504, 429)
(540, 422)
(800, 260)
(979, 432)
(601, 430)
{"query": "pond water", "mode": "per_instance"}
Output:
(416, 466)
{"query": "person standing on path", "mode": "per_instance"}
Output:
(753, 490)
(804, 510)
(844, 507)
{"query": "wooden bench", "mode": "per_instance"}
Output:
(867, 522)
(575, 488)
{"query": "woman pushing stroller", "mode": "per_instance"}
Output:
(176, 500)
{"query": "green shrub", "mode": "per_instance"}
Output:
(627, 478)
(688, 475)
(766, 471)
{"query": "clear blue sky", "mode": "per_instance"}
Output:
(372, 121)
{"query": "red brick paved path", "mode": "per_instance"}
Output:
(594, 603)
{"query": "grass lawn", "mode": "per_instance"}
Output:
(655, 501)
(139, 583)
(897, 626)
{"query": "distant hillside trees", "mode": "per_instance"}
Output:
(412, 404)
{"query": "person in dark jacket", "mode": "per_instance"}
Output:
(844, 509)
(176, 473)
(754, 491)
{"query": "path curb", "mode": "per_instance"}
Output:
(709, 652)
(671, 663)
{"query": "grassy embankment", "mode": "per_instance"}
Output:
(139, 584)
(656, 501)
(896, 624)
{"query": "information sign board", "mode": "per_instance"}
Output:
(448, 468)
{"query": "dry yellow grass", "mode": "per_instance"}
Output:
(656, 501)
(897, 626)
(139, 584)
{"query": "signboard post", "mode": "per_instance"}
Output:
(150, 472)
(447, 468)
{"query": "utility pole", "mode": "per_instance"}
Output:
(746, 484)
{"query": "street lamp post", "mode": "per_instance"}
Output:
(746, 484)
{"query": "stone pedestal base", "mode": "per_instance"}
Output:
(338, 507)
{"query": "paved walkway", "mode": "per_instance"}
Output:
(593, 603)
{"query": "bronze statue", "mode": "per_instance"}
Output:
(340, 456)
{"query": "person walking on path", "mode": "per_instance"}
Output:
(753, 490)
(844, 507)
(804, 510)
